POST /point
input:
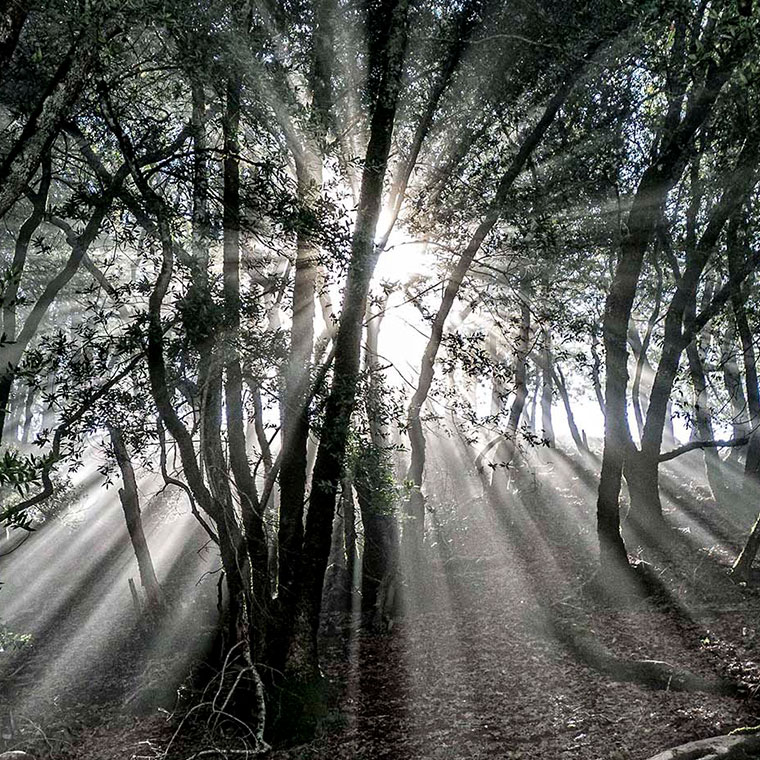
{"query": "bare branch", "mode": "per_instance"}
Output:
(692, 445)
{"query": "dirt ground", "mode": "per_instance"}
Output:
(473, 670)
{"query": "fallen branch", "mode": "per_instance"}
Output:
(692, 445)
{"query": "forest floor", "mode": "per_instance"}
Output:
(475, 668)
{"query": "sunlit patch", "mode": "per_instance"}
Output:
(79, 611)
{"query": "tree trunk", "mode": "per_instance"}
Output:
(732, 380)
(578, 439)
(295, 421)
(460, 39)
(9, 296)
(742, 568)
(703, 420)
(640, 350)
(507, 447)
(752, 463)
(596, 368)
(547, 389)
(657, 181)
(372, 474)
(349, 532)
(22, 160)
(250, 509)
(13, 14)
(646, 510)
(743, 564)
(130, 503)
(31, 393)
(328, 468)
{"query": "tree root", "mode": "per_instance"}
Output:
(728, 747)
(655, 674)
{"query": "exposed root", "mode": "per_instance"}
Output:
(221, 725)
(655, 674)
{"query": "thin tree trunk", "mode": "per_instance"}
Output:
(578, 439)
(349, 531)
(702, 411)
(130, 503)
(533, 405)
(380, 556)
(596, 368)
(547, 389)
(736, 245)
(31, 394)
(641, 348)
(732, 380)
(295, 419)
(250, 509)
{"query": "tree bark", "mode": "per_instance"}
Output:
(578, 439)
(732, 380)
(295, 420)
(460, 39)
(12, 353)
(743, 565)
(640, 350)
(22, 160)
(13, 14)
(250, 509)
(10, 293)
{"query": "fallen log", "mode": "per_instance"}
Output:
(729, 747)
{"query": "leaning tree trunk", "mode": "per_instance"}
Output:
(130, 503)
(578, 439)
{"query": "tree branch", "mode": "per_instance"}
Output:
(692, 445)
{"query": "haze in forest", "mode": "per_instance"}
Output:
(379, 379)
